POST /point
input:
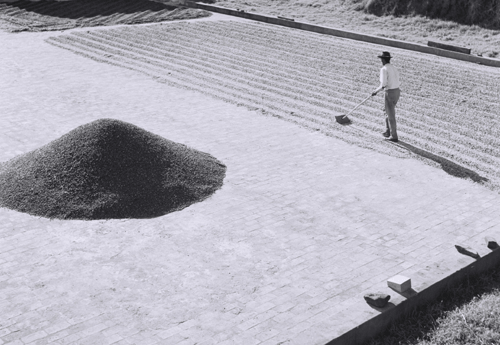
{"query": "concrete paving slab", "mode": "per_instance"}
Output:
(304, 226)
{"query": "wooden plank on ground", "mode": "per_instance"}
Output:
(448, 47)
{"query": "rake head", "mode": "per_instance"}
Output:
(342, 119)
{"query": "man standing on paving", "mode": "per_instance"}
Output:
(389, 81)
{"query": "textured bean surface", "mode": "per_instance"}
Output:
(448, 110)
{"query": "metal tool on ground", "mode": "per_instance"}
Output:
(343, 119)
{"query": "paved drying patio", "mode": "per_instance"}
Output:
(303, 227)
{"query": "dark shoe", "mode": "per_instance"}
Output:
(392, 139)
(387, 133)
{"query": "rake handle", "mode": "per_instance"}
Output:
(367, 98)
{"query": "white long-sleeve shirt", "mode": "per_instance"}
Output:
(389, 78)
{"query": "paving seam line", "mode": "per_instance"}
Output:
(344, 34)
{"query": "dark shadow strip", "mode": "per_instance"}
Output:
(448, 166)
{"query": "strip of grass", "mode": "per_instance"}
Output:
(467, 314)
(480, 12)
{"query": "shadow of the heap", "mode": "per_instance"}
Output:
(108, 169)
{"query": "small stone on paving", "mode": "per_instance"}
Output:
(378, 300)
(492, 243)
(399, 283)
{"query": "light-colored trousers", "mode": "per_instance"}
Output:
(391, 99)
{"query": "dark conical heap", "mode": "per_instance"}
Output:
(108, 169)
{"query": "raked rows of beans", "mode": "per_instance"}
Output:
(54, 15)
(448, 108)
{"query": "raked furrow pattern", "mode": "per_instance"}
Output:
(448, 108)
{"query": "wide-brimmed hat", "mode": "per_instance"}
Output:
(386, 55)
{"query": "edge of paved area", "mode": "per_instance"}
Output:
(344, 34)
(391, 313)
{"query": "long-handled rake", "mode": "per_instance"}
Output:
(343, 119)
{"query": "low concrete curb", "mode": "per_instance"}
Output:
(380, 323)
(345, 34)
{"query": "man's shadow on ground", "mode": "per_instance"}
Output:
(448, 166)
